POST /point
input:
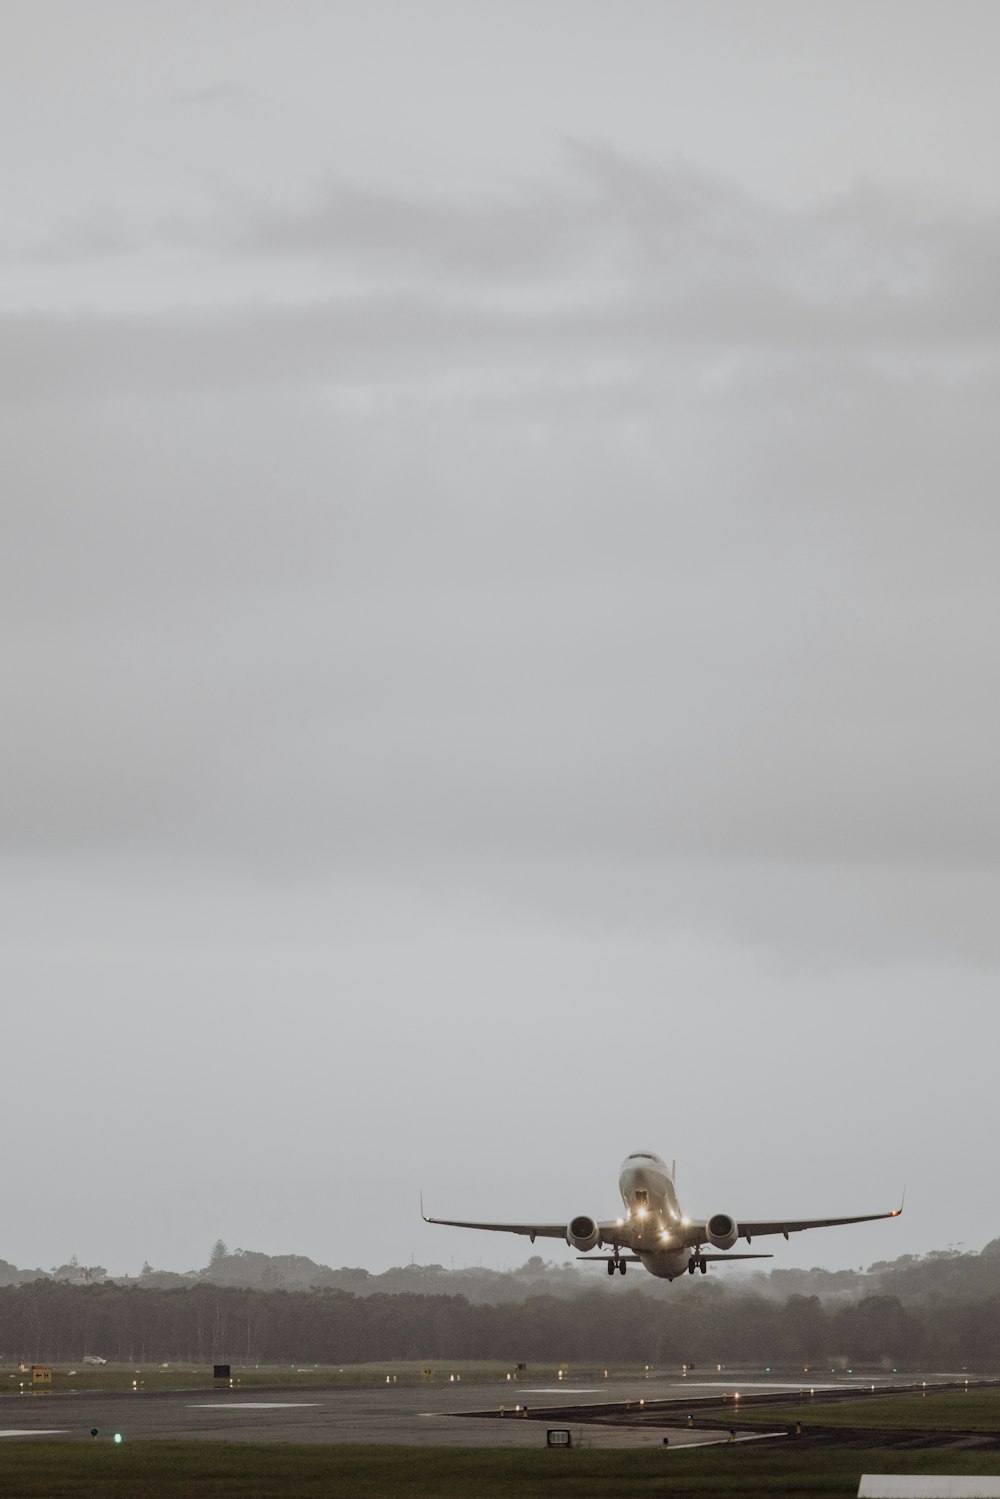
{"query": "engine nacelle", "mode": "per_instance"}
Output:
(583, 1233)
(721, 1231)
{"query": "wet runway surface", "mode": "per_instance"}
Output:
(445, 1415)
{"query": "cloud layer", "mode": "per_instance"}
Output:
(623, 514)
(498, 617)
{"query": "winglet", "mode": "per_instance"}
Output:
(902, 1201)
(422, 1213)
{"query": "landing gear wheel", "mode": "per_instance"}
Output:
(691, 1265)
(611, 1267)
(704, 1267)
(622, 1267)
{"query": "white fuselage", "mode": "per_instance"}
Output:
(653, 1222)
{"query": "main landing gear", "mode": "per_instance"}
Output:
(697, 1263)
(617, 1264)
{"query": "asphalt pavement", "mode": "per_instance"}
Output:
(407, 1415)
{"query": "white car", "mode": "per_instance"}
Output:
(93, 1358)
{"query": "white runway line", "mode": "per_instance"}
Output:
(746, 1436)
(56, 1431)
(254, 1405)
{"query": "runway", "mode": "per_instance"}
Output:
(401, 1415)
(418, 1415)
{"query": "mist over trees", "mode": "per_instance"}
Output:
(943, 1272)
(53, 1321)
(941, 1309)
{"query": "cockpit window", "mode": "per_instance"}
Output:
(642, 1155)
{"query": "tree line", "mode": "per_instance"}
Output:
(52, 1321)
(950, 1273)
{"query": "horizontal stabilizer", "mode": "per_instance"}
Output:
(604, 1259)
(736, 1256)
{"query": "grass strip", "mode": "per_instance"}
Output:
(188, 1470)
(950, 1410)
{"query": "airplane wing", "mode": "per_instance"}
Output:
(750, 1230)
(533, 1230)
(611, 1231)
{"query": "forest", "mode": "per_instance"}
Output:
(936, 1310)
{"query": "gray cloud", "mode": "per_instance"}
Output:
(772, 646)
(448, 629)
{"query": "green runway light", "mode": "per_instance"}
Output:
(118, 1438)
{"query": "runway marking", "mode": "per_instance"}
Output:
(253, 1405)
(761, 1386)
(56, 1431)
(756, 1436)
(564, 1389)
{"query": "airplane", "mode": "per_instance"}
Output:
(653, 1232)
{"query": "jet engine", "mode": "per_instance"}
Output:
(583, 1233)
(721, 1231)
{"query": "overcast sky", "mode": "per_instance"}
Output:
(500, 628)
